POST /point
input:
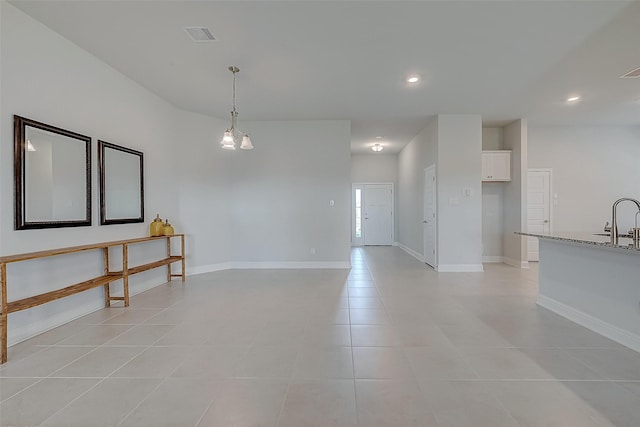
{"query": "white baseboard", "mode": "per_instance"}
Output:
(459, 268)
(19, 334)
(614, 333)
(394, 244)
(515, 263)
(191, 271)
(492, 259)
(411, 252)
(292, 265)
(268, 266)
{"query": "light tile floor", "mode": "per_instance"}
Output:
(389, 343)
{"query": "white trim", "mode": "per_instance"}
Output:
(492, 258)
(191, 271)
(411, 252)
(619, 335)
(20, 334)
(394, 244)
(515, 263)
(268, 266)
(293, 265)
(62, 318)
(459, 268)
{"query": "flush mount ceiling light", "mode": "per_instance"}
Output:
(232, 134)
(413, 79)
(574, 98)
(377, 148)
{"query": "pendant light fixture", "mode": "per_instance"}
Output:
(232, 134)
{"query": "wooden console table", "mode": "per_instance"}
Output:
(105, 279)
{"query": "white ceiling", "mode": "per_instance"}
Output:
(310, 60)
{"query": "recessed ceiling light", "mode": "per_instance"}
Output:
(413, 79)
(573, 98)
(377, 148)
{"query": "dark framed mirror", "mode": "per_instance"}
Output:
(121, 184)
(52, 176)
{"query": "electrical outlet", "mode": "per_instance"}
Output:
(312, 251)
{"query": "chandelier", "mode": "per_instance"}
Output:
(232, 134)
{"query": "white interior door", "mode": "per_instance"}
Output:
(429, 216)
(538, 208)
(378, 214)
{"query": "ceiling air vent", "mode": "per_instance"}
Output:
(631, 74)
(200, 34)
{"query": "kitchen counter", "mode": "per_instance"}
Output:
(585, 238)
(589, 280)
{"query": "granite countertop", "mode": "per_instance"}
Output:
(585, 238)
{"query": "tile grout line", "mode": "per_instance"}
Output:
(40, 379)
(100, 381)
(353, 362)
(88, 390)
(152, 391)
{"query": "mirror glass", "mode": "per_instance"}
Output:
(121, 184)
(52, 176)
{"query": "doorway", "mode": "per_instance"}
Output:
(372, 218)
(538, 208)
(429, 216)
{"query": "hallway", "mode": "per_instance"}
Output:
(389, 343)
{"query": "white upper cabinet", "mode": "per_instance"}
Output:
(496, 165)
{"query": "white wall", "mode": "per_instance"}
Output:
(592, 167)
(492, 201)
(420, 153)
(280, 194)
(205, 194)
(515, 195)
(47, 78)
(459, 216)
(374, 168)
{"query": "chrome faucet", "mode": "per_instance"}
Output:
(614, 219)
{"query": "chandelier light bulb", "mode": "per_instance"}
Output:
(246, 143)
(228, 142)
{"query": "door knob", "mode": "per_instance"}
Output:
(546, 221)
(425, 222)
